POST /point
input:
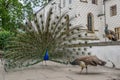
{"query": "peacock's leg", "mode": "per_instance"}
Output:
(86, 69)
(81, 69)
(45, 63)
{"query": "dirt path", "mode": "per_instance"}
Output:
(56, 71)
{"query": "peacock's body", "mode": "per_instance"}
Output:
(88, 60)
(110, 34)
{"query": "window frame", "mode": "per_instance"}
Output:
(90, 24)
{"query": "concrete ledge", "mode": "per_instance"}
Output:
(112, 43)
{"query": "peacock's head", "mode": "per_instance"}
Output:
(106, 26)
(75, 62)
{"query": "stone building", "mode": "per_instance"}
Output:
(92, 15)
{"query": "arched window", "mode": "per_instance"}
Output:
(90, 22)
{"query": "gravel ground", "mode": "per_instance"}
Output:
(56, 71)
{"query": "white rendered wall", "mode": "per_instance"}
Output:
(113, 21)
(107, 53)
(81, 10)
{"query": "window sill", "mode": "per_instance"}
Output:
(113, 15)
(94, 4)
(91, 32)
(84, 1)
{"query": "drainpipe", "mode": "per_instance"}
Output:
(104, 12)
(60, 8)
(104, 4)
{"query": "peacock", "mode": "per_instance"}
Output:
(53, 32)
(84, 61)
(46, 56)
(110, 34)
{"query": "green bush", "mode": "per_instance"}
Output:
(4, 38)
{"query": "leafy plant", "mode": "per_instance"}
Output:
(4, 38)
(13, 12)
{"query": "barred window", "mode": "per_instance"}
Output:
(90, 22)
(117, 31)
(113, 10)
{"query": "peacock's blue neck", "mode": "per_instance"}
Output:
(106, 30)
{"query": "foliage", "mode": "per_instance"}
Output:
(13, 12)
(4, 38)
(55, 34)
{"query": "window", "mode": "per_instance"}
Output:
(94, 1)
(70, 1)
(90, 22)
(113, 10)
(117, 31)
